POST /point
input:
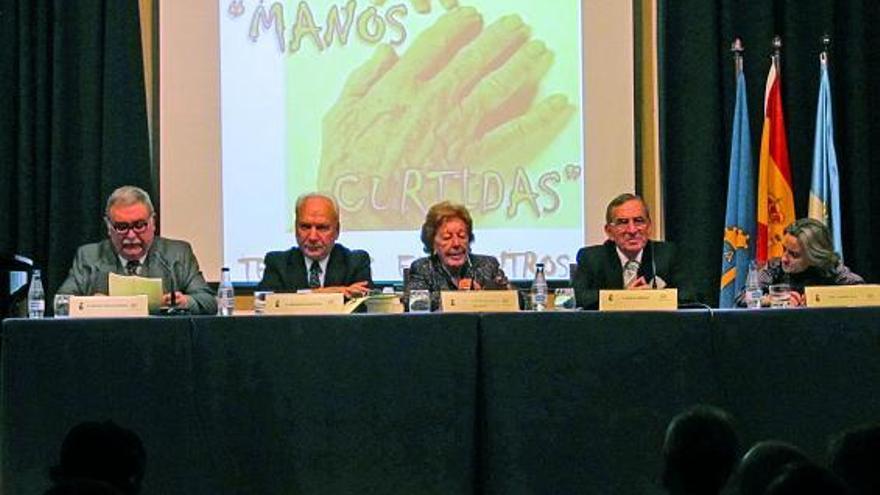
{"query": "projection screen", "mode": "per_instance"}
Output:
(520, 110)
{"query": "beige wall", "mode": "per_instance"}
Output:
(145, 8)
(608, 100)
(647, 115)
(189, 122)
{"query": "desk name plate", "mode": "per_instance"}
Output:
(305, 304)
(108, 306)
(479, 301)
(846, 296)
(638, 300)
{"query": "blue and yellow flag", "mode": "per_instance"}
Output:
(825, 186)
(739, 223)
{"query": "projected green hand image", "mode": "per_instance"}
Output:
(460, 100)
(423, 6)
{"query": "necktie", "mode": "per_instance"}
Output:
(630, 270)
(315, 275)
(132, 267)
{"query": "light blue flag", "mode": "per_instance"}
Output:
(739, 223)
(825, 186)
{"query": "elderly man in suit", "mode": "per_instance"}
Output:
(318, 262)
(132, 248)
(628, 259)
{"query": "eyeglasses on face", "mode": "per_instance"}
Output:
(139, 226)
(622, 223)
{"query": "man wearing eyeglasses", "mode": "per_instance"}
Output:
(628, 259)
(132, 248)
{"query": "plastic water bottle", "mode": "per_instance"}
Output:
(539, 289)
(753, 292)
(36, 297)
(225, 294)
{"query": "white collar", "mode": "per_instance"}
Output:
(624, 259)
(323, 262)
(124, 261)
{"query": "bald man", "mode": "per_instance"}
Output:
(318, 262)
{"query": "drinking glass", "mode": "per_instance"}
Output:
(564, 300)
(260, 301)
(419, 301)
(780, 296)
(62, 305)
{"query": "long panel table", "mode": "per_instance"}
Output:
(262, 405)
(579, 403)
(529, 403)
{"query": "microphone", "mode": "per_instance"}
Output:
(470, 268)
(653, 267)
(169, 268)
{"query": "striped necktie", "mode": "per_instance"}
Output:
(132, 266)
(315, 275)
(630, 270)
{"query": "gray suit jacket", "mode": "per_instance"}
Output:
(171, 260)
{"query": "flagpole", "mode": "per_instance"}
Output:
(777, 52)
(737, 49)
(775, 200)
(739, 218)
(826, 44)
(824, 199)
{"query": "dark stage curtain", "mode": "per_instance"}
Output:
(72, 123)
(697, 91)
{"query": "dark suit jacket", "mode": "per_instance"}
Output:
(171, 260)
(598, 267)
(428, 273)
(285, 271)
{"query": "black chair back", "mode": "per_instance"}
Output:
(15, 272)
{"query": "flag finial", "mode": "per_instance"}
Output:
(777, 49)
(737, 49)
(826, 45)
(737, 46)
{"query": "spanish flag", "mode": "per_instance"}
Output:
(775, 196)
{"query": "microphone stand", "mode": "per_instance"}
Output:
(653, 267)
(173, 308)
(470, 269)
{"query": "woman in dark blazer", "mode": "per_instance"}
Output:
(447, 234)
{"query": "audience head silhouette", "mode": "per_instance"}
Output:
(101, 451)
(855, 457)
(763, 462)
(806, 479)
(700, 451)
